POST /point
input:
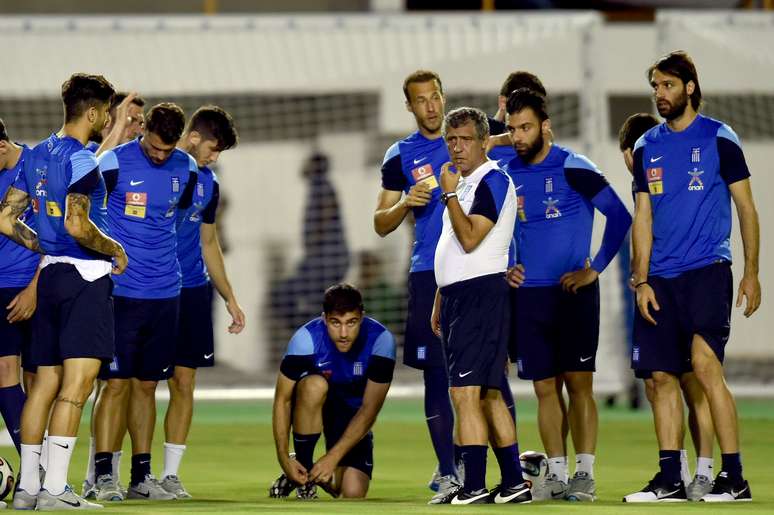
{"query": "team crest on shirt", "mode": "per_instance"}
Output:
(424, 174)
(655, 178)
(551, 210)
(357, 368)
(696, 155)
(175, 184)
(549, 185)
(635, 354)
(696, 184)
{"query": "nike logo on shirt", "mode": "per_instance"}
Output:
(322, 364)
(654, 159)
(135, 183)
(417, 161)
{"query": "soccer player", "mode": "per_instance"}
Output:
(687, 170)
(148, 180)
(73, 326)
(410, 174)
(18, 283)
(699, 416)
(556, 308)
(210, 131)
(127, 119)
(471, 307)
(333, 380)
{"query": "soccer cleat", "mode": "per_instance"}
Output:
(149, 490)
(306, 492)
(698, 488)
(106, 489)
(173, 485)
(581, 488)
(518, 494)
(87, 490)
(477, 497)
(446, 485)
(24, 501)
(550, 488)
(282, 487)
(658, 490)
(726, 489)
(67, 500)
(433, 484)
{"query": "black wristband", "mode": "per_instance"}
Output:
(446, 196)
(640, 284)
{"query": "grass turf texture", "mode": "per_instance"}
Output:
(230, 464)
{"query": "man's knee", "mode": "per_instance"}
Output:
(706, 366)
(182, 384)
(663, 381)
(311, 391)
(115, 388)
(579, 384)
(9, 371)
(465, 396)
(144, 388)
(545, 389)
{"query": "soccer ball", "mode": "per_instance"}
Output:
(7, 479)
(534, 466)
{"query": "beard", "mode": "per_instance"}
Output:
(670, 111)
(529, 153)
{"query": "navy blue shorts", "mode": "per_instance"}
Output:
(555, 331)
(336, 417)
(13, 337)
(74, 317)
(695, 302)
(422, 348)
(195, 344)
(146, 330)
(475, 316)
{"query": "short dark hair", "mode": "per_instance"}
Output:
(212, 122)
(3, 131)
(679, 64)
(523, 98)
(82, 91)
(463, 115)
(121, 95)
(167, 121)
(522, 79)
(420, 76)
(634, 127)
(342, 298)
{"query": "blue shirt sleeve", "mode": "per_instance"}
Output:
(108, 166)
(85, 172)
(392, 170)
(209, 212)
(186, 198)
(20, 182)
(733, 166)
(384, 346)
(583, 176)
(490, 196)
(617, 223)
(640, 181)
(301, 344)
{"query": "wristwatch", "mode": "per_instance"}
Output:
(446, 196)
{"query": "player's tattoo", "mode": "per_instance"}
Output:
(89, 235)
(76, 403)
(12, 206)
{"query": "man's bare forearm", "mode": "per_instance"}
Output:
(12, 206)
(642, 243)
(750, 228)
(83, 229)
(388, 219)
(25, 236)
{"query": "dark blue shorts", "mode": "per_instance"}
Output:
(146, 330)
(14, 338)
(74, 317)
(195, 344)
(695, 302)
(475, 317)
(422, 348)
(554, 331)
(336, 417)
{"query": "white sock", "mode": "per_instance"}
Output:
(116, 463)
(30, 460)
(173, 455)
(60, 450)
(558, 465)
(90, 463)
(704, 467)
(685, 472)
(585, 463)
(44, 452)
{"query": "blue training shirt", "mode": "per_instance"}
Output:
(556, 199)
(503, 154)
(54, 168)
(410, 161)
(142, 206)
(687, 175)
(17, 263)
(204, 205)
(372, 356)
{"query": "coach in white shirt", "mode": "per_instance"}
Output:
(471, 311)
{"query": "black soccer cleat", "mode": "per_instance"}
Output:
(658, 490)
(726, 489)
(282, 487)
(518, 494)
(477, 497)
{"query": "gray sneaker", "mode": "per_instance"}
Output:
(551, 488)
(107, 489)
(87, 490)
(581, 488)
(24, 501)
(67, 500)
(698, 488)
(446, 485)
(173, 485)
(150, 490)
(306, 492)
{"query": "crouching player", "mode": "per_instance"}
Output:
(333, 380)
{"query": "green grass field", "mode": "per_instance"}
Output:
(230, 464)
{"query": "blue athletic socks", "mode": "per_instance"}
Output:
(140, 467)
(11, 403)
(440, 418)
(474, 457)
(732, 465)
(510, 467)
(304, 447)
(669, 463)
